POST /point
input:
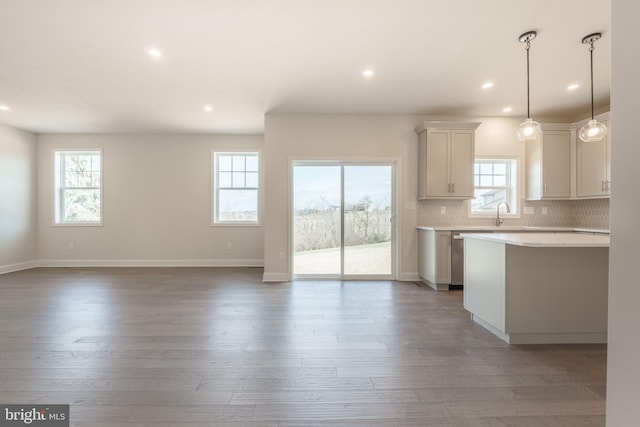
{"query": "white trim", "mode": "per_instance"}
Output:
(276, 277)
(439, 124)
(150, 263)
(600, 117)
(267, 277)
(543, 338)
(213, 189)
(488, 326)
(409, 277)
(342, 162)
(519, 189)
(56, 220)
(10, 268)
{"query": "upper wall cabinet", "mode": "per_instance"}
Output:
(548, 165)
(446, 155)
(593, 163)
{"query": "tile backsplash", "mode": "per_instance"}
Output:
(587, 213)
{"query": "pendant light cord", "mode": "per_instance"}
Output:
(528, 109)
(591, 55)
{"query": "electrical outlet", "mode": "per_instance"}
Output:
(281, 256)
(544, 210)
(443, 210)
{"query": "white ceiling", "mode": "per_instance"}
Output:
(82, 66)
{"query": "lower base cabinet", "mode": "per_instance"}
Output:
(434, 263)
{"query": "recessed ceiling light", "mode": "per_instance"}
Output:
(368, 73)
(507, 109)
(155, 53)
(208, 108)
(487, 85)
(4, 108)
(573, 86)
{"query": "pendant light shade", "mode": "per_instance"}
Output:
(593, 131)
(529, 129)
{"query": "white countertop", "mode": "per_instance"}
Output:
(544, 240)
(523, 228)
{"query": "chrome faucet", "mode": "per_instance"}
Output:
(498, 220)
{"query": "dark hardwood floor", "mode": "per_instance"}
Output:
(217, 347)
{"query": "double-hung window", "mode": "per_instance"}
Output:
(78, 187)
(495, 181)
(236, 185)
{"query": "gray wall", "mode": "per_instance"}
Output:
(17, 199)
(156, 204)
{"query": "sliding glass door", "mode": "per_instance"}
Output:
(317, 231)
(343, 219)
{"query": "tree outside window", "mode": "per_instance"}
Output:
(78, 187)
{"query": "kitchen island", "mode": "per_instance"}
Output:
(534, 288)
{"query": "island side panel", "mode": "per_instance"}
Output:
(434, 258)
(484, 281)
(556, 290)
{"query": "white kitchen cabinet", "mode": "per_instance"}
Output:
(446, 155)
(434, 252)
(593, 163)
(548, 166)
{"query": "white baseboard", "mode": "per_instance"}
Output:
(10, 268)
(150, 263)
(409, 277)
(276, 277)
(286, 277)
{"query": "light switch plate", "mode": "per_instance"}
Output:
(544, 210)
(443, 210)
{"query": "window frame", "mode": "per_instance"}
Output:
(513, 190)
(59, 187)
(215, 222)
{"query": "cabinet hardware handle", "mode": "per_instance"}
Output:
(453, 187)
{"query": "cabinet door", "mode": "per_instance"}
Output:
(443, 257)
(556, 164)
(437, 183)
(423, 254)
(422, 165)
(592, 168)
(608, 162)
(462, 158)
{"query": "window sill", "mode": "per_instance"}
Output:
(77, 224)
(236, 224)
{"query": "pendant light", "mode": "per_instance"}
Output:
(528, 130)
(593, 131)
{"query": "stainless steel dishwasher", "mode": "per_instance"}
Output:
(457, 256)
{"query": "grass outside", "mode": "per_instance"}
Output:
(363, 259)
